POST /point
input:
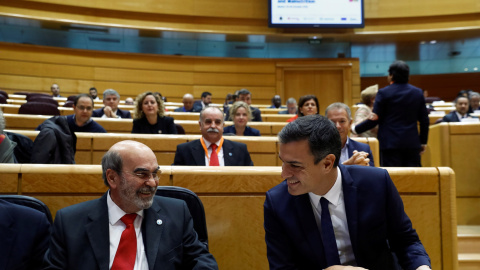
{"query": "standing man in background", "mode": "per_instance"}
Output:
(397, 110)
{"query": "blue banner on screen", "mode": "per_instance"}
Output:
(316, 13)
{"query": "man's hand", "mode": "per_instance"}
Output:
(422, 150)
(343, 267)
(358, 158)
(373, 116)
(108, 112)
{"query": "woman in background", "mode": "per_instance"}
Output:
(307, 105)
(149, 116)
(241, 113)
(368, 98)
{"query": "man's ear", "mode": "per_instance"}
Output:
(329, 161)
(112, 178)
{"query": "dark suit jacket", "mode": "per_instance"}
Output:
(354, 145)
(376, 221)
(81, 237)
(121, 113)
(451, 117)
(25, 236)
(182, 109)
(197, 106)
(399, 106)
(192, 154)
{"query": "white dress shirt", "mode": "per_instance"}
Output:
(344, 153)
(116, 228)
(221, 161)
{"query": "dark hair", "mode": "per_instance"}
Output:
(205, 94)
(93, 88)
(322, 136)
(458, 97)
(80, 96)
(465, 93)
(304, 99)
(243, 92)
(399, 71)
(111, 160)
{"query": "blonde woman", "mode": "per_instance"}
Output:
(149, 116)
(240, 114)
(364, 110)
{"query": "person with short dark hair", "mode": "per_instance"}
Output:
(206, 100)
(149, 116)
(111, 99)
(212, 149)
(129, 227)
(93, 93)
(398, 109)
(291, 107)
(277, 103)
(325, 215)
(187, 104)
(81, 120)
(307, 105)
(461, 110)
(55, 90)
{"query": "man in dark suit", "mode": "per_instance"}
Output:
(325, 214)
(187, 104)
(353, 153)
(461, 110)
(111, 99)
(397, 109)
(25, 236)
(128, 225)
(206, 99)
(199, 152)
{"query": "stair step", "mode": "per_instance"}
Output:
(469, 261)
(468, 239)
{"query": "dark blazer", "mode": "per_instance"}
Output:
(80, 239)
(451, 117)
(399, 106)
(354, 145)
(164, 125)
(192, 154)
(249, 131)
(376, 221)
(121, 113)
(25, 236)
(197, 106)
(182, 109)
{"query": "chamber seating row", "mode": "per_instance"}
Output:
(233, 198)
(263, 150)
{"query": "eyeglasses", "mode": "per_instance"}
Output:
(145, 175)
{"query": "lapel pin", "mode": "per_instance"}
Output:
(230, 154)
(159, 222)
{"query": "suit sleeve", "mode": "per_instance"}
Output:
(403, 239)
(424, 121)
(196, 255)
(41, 242)
(56, 256)
(43, 147)
(279, 249)
(136, 126)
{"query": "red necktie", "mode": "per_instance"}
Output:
(213, 156)
(127, 248)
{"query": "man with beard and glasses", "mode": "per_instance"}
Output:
(212, 149)
(128, 227)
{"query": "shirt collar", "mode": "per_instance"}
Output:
(207, 143)
(333, 195)
(115, 213)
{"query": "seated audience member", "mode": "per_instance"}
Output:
(7, 147)
(461, 110)
(353, 153)
(291, 107)
(187, 104)
(307, 105)
(111, 99)
(25, 234)
(129, 227)
(129, 101)
(212, 149)
(55, 90)
(474, 102)
(206, 99)
(81, 120)
(245, 96)
(149, 116)
(326, 214)
(240, 114)
(277, 103)
(93, 93)
(229, 99)
(464, 93)
(365, 109)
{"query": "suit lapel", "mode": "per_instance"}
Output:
(98, 232)
(310, 230)
(228, 153)
(198, 153)
(8, 235)
(153, 232)
(350, 200)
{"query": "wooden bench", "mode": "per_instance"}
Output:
(457, 145)
(233, 198)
